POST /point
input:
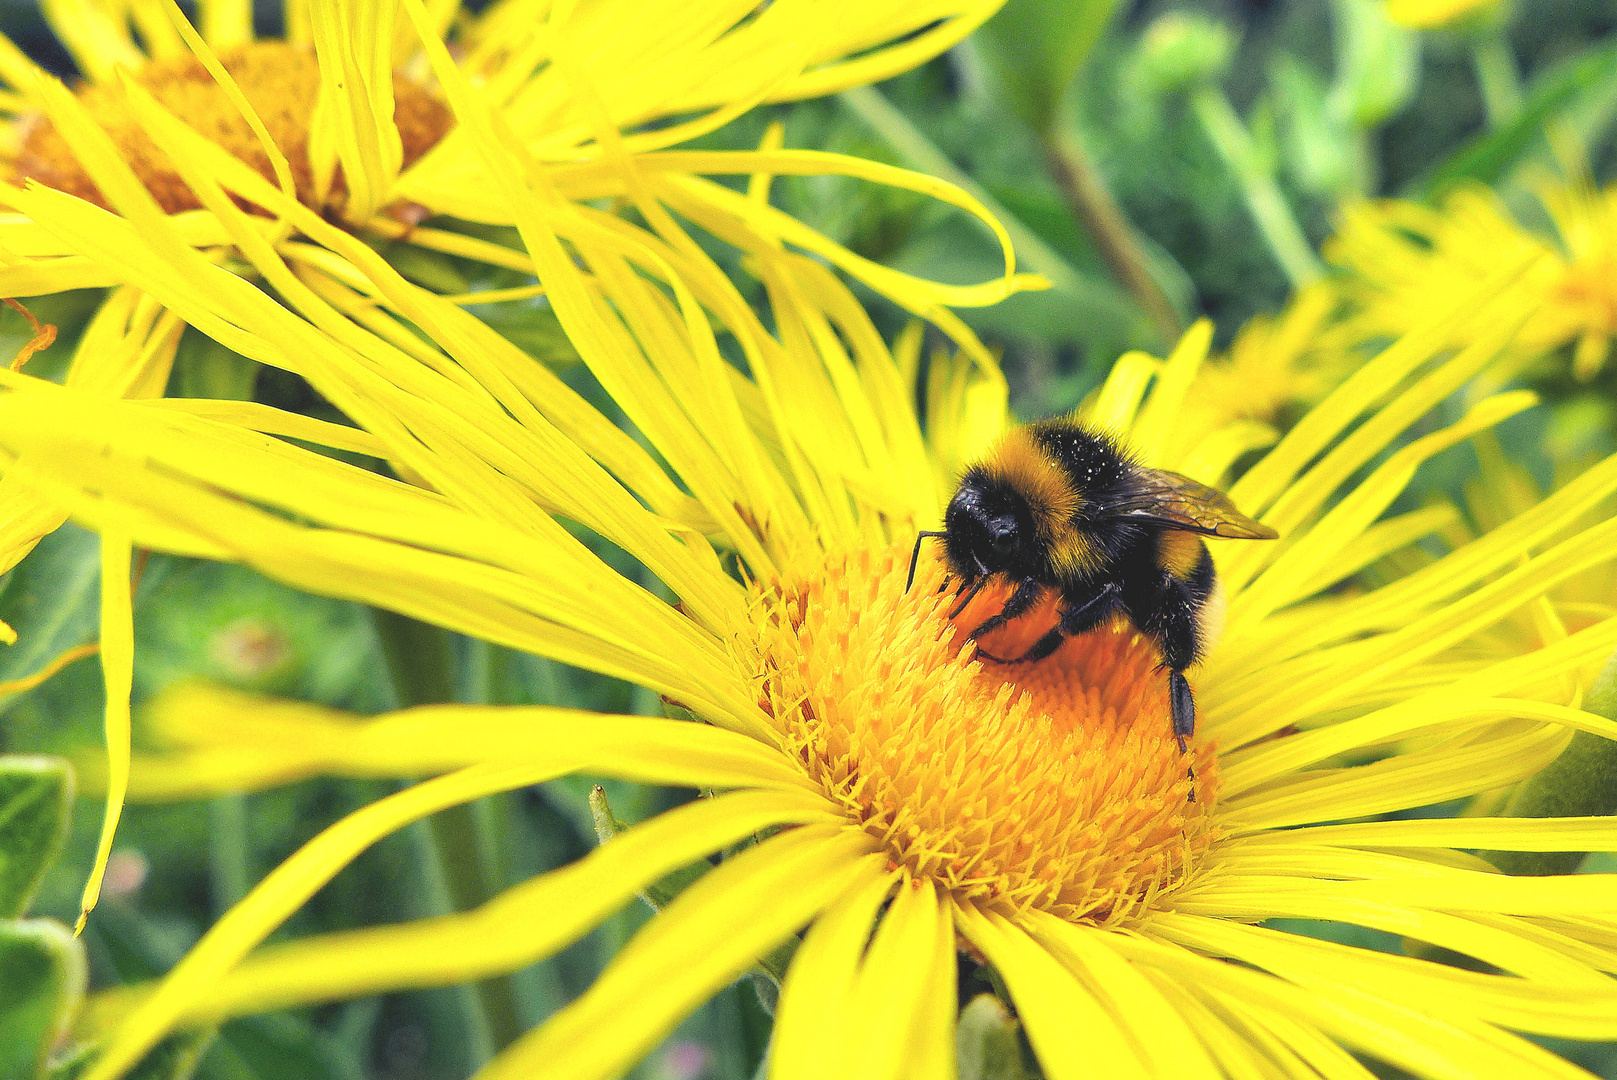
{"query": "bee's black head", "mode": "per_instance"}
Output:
(988, 528)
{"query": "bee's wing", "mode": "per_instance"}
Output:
(1167, 498)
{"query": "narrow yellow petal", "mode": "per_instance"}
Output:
(285, 889)
(1158, 1033)
(1287, 575)
(226, 23)
(118, 673)
(810, 1039)
(229, 737)
(1300, 898)
(353, 117)
(712, 933)
(1072, 1033)
(893, 983)
(933, 1039)
(1271, 761)
(272, 421)
(1587, 1011)
(1118, 401)
(99, 41)
(1412, 1039)
(1495, 834)
(519, 927)
(1150, 430)
(66, 657)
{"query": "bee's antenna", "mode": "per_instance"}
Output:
(916, 554)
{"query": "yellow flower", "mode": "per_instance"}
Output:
(1427, 14)
(286, 164)
(890, 792)
(1402, 258)
(1274, 370)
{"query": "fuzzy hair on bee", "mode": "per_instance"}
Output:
(1058, 505)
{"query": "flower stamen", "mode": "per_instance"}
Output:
(1055, 785)
(280, 80)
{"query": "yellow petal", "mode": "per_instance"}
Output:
(708, 936)
(1072, 1033)
(286, 888)
(521, 926)
(816, 998)
(118, 672)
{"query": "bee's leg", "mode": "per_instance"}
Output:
(976, 587)
(1073, 621)
(1021, 602)
(1182, 705)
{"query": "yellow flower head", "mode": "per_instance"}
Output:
(889, 791)
(238, 166)
(1401, 258)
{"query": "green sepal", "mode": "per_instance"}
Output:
(988, 1043)
(42, 981)
(660, 893)
(1582, 782)
(36, 802)
(1181, 51)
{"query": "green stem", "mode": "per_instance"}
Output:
(1498, 78)
(1276, 223)
(458, 840)
(1092, 204)
(229, 875)
(920, 153)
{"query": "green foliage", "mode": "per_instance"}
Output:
(1377, 64)
(51, 599)
(1490, 157)
(36, 796)
(1033, 49)
(42, 978)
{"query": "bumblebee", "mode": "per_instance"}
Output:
(1058, 505)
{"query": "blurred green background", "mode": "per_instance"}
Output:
(1189, 115)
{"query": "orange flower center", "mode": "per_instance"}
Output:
(280, 81)
(1055, 785)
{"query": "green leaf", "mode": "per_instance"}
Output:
(175, 1058)
(52, 600)
(1034, 48)
(532, 326)
(36, 800)
(42, 978)
(203, 368)
(1581, 782)
(1490, 157)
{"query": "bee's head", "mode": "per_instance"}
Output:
(988, 528)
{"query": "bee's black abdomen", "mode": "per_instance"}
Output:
(1167, 606)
